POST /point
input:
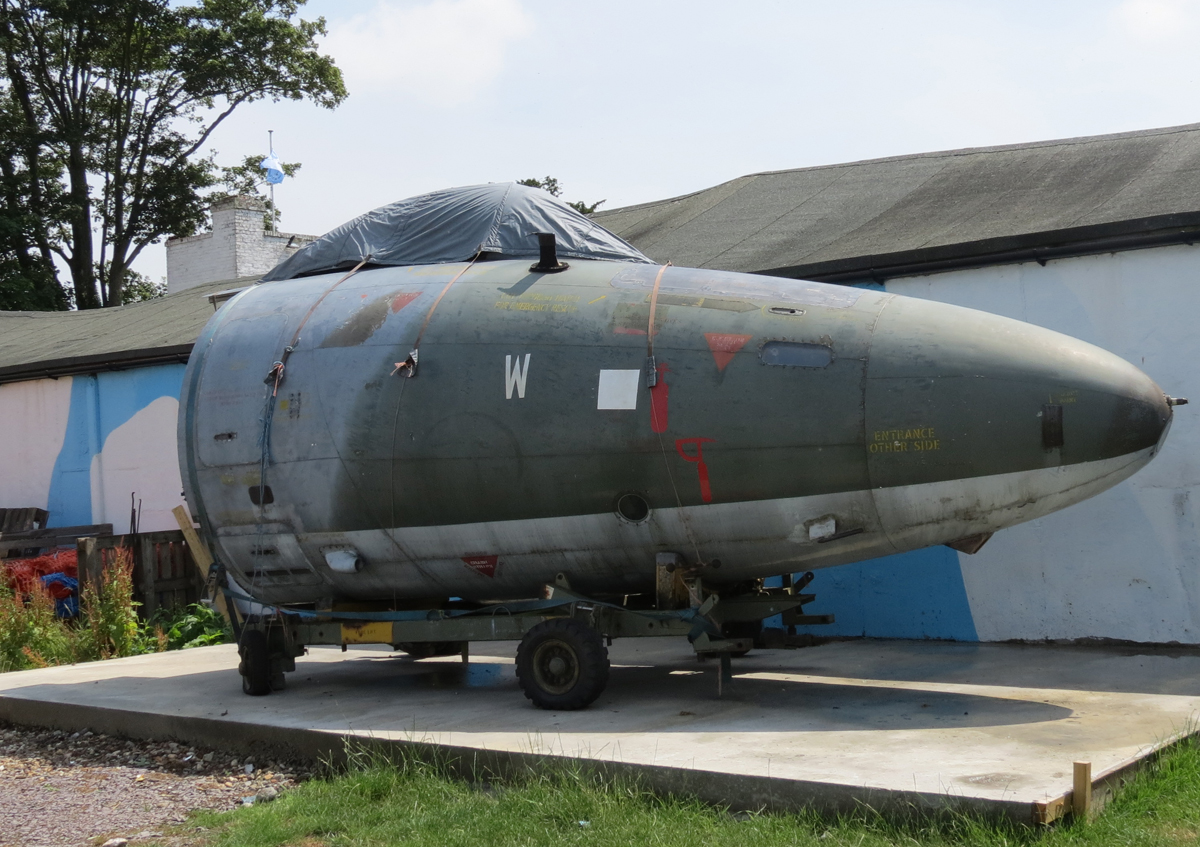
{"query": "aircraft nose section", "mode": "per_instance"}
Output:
(1099, 407)
(1140, 417)
(954, 394)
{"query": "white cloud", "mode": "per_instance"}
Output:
(1158, 20)
(446, 51)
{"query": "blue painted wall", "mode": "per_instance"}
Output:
(919, 594)
(99, 404)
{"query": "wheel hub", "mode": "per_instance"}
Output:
(555, 666)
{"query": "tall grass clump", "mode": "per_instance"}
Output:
(33, 636)
(109, 613)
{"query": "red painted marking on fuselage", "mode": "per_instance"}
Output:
(698, 461)
(402, 300)
(658, 400)
(485, 565)
(724, 345)
(624, 330)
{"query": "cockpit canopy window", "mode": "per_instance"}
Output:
(796, 354)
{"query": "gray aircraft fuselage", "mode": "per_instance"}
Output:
(794, 425)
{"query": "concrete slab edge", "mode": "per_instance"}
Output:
(738, 792)
(1106, 785)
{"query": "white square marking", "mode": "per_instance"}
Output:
(618, 389)
(822, 528)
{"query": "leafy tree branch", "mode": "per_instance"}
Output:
(550, 185)
(249, 178)
(104, 107)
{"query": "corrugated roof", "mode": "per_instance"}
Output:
(41, 344)
(871, 219)
(933, 211)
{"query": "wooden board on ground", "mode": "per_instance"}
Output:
(200, 554)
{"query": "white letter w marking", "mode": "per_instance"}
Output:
(514, 377)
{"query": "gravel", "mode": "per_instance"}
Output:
(60, 789)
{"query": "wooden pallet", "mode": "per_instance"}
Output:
(165, 574)
(22, 520)
(33, 542)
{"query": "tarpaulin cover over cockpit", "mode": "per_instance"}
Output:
(455, 225)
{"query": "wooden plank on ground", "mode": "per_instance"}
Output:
(200, 554)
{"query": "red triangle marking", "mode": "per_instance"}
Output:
(402, 300)
(723, 346)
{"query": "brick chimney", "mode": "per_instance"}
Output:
(238, 246)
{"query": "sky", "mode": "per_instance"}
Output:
(630, 102)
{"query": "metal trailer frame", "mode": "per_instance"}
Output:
(717, 627)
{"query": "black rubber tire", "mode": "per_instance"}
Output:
(562, 665)
(256, 663)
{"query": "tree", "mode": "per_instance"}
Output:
(550, 186)
(138, 287)
(250, 178)
(31, 201)
(109, 103)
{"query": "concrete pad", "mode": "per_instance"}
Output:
(989, 727)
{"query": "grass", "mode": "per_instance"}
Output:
(31, 634)
(416, 803)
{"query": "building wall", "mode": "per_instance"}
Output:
(80, 446)
(237, 246)
(197, 260)
(1123, 565)
(33, 418)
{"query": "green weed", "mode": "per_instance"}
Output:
(414, 802)
(109, 614)
(195, 625)
(32, 636)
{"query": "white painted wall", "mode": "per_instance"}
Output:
(78, 446)
(140, 457)
(237, 246)
(33, 422)
(1126, 564)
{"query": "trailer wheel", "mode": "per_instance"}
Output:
(562, 665)
(255, 666)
